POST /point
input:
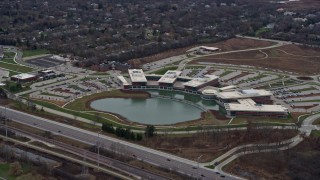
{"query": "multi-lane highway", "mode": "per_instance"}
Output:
(151, 156)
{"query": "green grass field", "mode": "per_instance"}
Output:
(15, 67)
(315, 133)
(4, 171)
(9, 55)
(226, 72)
(28, 53)
(8, 60)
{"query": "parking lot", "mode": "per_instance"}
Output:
(46, 62)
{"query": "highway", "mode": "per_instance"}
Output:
(151, 156)
(108, 162)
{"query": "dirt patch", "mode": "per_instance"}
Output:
(304, 78)
(301, 162)
(305, 107)
(249, 55)
(287, 58)
(302, 5)
(228, 45)
(212, 144)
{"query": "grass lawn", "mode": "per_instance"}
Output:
(4, 171)
(15, 67)
(28, 53)
(80, 104)
(241, 120)
(9, 55)
(316, 122)
(8, 60)
(225, 73)
(261, 31)
(164, 70)
(315, 133)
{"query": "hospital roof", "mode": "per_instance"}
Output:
(195, 82)
(137, 75)
(250, 105)
(244, 94)
(169, 77)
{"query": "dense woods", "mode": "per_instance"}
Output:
(99, 30)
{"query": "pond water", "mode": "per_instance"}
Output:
(155, 111)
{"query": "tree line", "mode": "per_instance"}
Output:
(127, 133)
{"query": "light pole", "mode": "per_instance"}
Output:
(5, 118)
(98, 144)
(199, 160)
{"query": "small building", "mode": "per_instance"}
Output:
(47, 74)
(124, 82)
(24, 77)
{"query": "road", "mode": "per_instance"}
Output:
(108, 162)
(151, 156)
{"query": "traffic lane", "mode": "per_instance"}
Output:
(146, 154)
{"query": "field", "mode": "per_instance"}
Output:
(29, 53)
(15, 67)
(211, 144)
(228, 45)
(301, 162)
(286, 58)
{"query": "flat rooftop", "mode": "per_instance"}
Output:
(243, 94)
(47, 71)
(169, 77)
(123, 80)
(23, 76)
(226, 88)
(137, 75)
(195, 82)
(249, 105)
